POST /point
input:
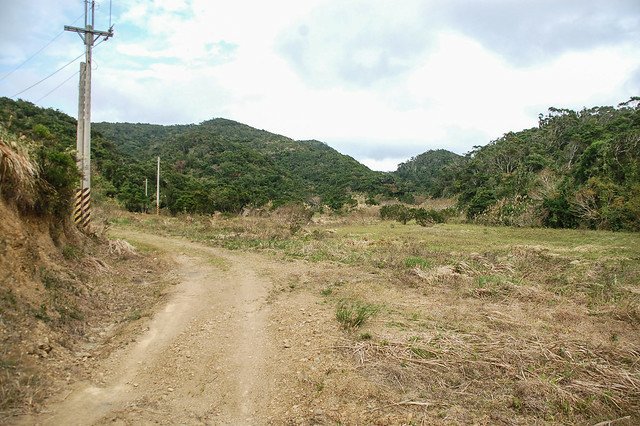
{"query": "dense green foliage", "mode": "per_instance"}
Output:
(422, 216)
(575, 169)
(430, 173)
(221, 165)
(46, 138)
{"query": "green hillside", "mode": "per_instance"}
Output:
(576, 169)
(222, 165)
(218, 165)
(431, 173)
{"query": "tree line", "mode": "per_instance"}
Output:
(575, 169)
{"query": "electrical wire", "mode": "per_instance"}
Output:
(58, 86)
(39, 50)
(31, 57)
(61, 84)
(56, 71)
(50, 75)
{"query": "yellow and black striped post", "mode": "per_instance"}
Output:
(82, 210)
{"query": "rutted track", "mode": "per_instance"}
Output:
(205, 357)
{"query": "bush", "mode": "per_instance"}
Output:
(557, 213)
(60, 176)
(44, 182)
(397, 212)
(425, 217)
(480, 202)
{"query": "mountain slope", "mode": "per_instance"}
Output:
(224, 165)
(430, 173)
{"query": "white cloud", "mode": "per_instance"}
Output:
(377, 80)
(384, 165)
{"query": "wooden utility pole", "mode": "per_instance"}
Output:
(146, 195)
(158, 189)
(82, 212)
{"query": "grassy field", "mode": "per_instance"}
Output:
(460, 323)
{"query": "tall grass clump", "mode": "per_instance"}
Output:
(18, 173)
(352, 314)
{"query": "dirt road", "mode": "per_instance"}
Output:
(206, 356)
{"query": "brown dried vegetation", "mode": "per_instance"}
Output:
(474, 324)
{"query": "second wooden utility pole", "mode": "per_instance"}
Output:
(82, 212)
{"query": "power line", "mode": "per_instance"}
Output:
(34, 55)
(50, 75)
(54, 73)
(58, 86)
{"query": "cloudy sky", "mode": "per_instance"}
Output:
(379, 80)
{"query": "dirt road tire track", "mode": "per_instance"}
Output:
(205, 357)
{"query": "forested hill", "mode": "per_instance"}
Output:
(430, 173)
(218, 165)
(576, 169)
(222, 165)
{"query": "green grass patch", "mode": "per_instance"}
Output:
(353, 314)
(414, 261)
(71, 252)
(421, 352)
(133, 315)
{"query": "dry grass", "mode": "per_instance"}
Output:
(18, 173)
(121, 248)
(542, 379)
(477, 325)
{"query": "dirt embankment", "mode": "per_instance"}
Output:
(65, 298)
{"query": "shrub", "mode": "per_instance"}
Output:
(425, 217)
(60, 176)
(397, 212)
(38, 176)
(480, 202)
